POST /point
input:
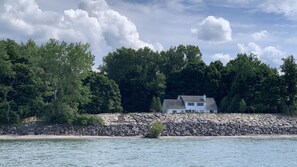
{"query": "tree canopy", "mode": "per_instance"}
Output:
(44, 81)
(55, 81)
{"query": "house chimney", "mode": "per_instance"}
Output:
(204, 98)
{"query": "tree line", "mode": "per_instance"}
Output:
(55, 81)
(244, 84)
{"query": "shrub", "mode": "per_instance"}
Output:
(86, 119)
(242, 106)
(155, 130)
(283, 108)
(156, 105)
(6, 115)
(59, 113)
(293, 109)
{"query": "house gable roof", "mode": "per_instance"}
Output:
(187, 98)
(179, 103)
(174, 104)
(211, 104)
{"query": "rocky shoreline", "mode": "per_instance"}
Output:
(137, 124)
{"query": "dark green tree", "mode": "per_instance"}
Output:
(65, 66)
(242, 106)
(253, 81)
(184, 70)
(176, 58)
(138, 76)
(289, 68)
(234, 105)
(6, 76)
(22, 96)
(105, 95)
(213, 80)
(156, 105)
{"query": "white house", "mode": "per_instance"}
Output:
(188, 104)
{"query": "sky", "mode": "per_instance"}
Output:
(221, 29)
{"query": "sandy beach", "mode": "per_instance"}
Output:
(72, 137)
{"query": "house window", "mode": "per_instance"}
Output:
(190, 104)
(199, 104)
(174, 111)
(211, 111)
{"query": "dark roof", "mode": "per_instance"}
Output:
(174, 104)
(179, 103)
(211, 104)
(192, 98)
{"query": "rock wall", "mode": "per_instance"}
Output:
(137, 124)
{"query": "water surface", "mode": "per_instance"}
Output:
(149, 152)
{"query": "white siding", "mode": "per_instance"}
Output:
(195, 107)
(172, 111)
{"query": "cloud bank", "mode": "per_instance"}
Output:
(93, 22)
(287, 8)
(269, 54)
(224, 58)
(260, 35)
(213, 29)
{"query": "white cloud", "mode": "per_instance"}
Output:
(117, 30)
(284, 7)
(158, 46)
(24, 18)
(157, 22)
(94, 22)
(260, 35)
(194, 30)
(213, 29)
(224, 58)
(269, 54)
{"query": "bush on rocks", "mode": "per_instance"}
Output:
(87, 119)
(155, 130)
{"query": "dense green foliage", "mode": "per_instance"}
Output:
(105, 95)
(289, 68)
(156, 105)
(47, 81)
(55, 81)
(155, 130)
(86, 119)
(138, 76)
(244, 84)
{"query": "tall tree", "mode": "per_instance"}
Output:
(138, 76)
(105, 95)
(184, 71)
(213, 81)
(176, 58)
(23, 96)
(6, 76)
(252, 81)
(65, 66)
(156, 105)
(289, 68)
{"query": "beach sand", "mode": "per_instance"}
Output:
(56, 137)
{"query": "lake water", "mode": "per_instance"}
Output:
(149, 152)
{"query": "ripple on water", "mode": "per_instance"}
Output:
(149, 152)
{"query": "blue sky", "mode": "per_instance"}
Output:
(220, 28)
